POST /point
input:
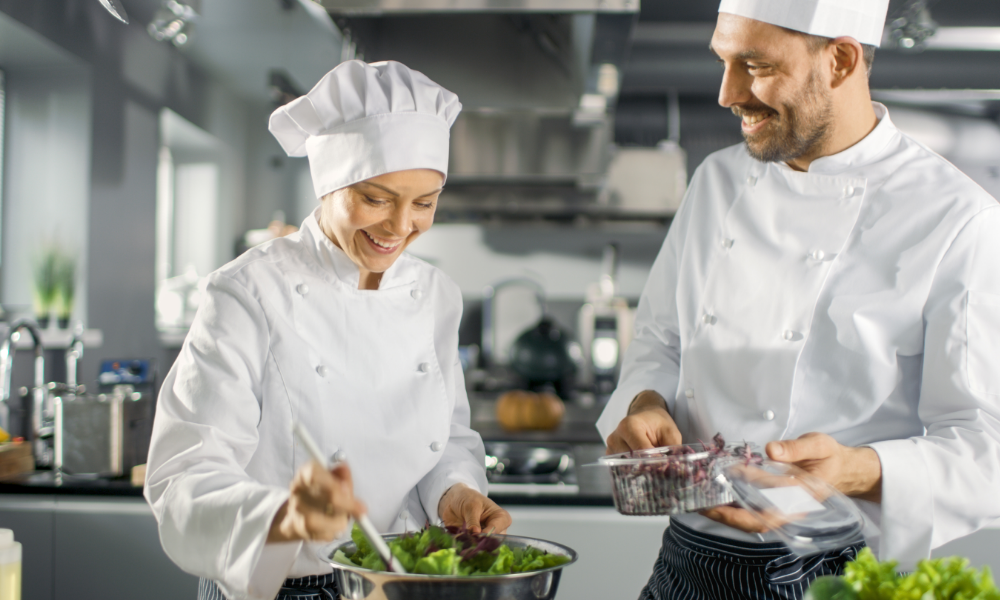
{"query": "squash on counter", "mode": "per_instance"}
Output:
(520, 409)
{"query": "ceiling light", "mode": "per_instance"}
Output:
(174, 22)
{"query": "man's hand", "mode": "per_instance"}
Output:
(648, 425)
(854, 472)
(462, 505)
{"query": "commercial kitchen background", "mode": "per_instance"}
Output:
(150, 162)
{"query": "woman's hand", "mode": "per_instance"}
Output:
(462, 505)
(320, 506)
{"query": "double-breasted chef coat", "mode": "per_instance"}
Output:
(859, 299)
(283, 335)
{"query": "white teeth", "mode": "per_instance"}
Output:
(752, 120)
(378, 243)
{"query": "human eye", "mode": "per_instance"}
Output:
(374, 201)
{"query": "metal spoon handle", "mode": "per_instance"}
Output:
(374, 538)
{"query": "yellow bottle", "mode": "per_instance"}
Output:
(10, 566)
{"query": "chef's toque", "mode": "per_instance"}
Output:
(364, 120)
(862, 20)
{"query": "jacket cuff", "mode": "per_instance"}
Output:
(266, 565)
(907, 503)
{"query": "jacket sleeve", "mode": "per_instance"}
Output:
(944, 484)
(652, 359)
(213, 518)
(463, 457)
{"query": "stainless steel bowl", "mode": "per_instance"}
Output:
(363, 584)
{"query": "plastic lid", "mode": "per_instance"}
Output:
(806, 513)
(6, 537)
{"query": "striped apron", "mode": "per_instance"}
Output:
(313, 587)
(697, 566)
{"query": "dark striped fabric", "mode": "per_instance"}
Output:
(313, 587)
(697, 566)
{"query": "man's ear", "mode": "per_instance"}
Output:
(846, 58)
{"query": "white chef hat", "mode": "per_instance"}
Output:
(364, 120)
(862, 20)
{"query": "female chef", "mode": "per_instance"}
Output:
(334, 327)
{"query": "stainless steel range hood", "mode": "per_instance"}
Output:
(538, 79)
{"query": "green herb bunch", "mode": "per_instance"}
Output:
(54, 274)
(935, 579)
(453, 551)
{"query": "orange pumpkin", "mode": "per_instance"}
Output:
(519, 410)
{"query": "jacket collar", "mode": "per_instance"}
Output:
(332, 258)
(864, 153)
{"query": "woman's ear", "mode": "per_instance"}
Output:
(847, 58)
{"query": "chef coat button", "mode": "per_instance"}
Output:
(436, 446)
(416, 294)
(789, 335)
(817, 255)
(424, 367)
(302, 289)
(404, 516)
(321, 371)
(751, 181)
(708, 319)
(338, 457)
(768, 415)
(689, 393)
(727, 243)
(849, 191)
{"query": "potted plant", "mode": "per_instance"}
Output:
(65, 288)
(44, 290)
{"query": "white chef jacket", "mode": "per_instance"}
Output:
(859, 299)
(284, 334)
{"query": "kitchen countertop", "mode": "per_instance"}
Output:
(43, 483)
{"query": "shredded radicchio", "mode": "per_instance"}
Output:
(676, 479)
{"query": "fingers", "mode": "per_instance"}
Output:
(321, 503)
(650, 428)
(736, 518)
(466, 506)
(811, 446)
(497, 520)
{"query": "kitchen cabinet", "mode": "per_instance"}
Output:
(616, 552)
(92, 548)
(98, 547)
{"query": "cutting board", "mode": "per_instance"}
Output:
(15, 460)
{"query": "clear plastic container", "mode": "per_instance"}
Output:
(806, 513)
(673, 479)
(10, 566)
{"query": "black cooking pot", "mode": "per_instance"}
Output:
(541, 354)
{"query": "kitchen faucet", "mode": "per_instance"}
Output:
(41, 417)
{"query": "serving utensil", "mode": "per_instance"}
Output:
(116, 9)
(374, 538)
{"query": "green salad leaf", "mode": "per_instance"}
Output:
(451, 551)
(934, 579)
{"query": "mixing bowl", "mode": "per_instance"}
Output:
(357, 583)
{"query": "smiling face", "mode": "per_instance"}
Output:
(375, 220)
(774, 82)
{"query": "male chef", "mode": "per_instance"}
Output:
(833, 284)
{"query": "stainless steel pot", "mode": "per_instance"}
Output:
(362, 584)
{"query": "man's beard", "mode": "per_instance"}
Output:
(804, 126)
